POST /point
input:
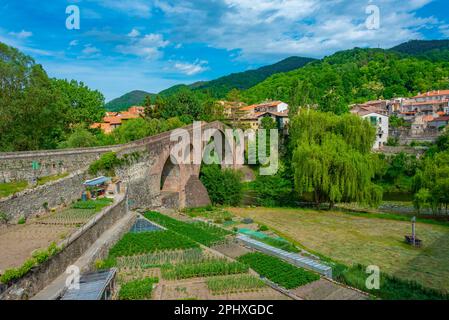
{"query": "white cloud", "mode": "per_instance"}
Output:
(73, 43)
(134, 33)
(191, 69)
(90, 51)
(135, 8)
(22, 34)
(275, 28)
(148, 47)
(444, 29)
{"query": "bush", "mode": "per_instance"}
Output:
(107, 164)
(224, 186)
(22, 220)
(273, 191)
(4, 218)
(38, 257)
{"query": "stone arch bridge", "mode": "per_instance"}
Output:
(151, 177)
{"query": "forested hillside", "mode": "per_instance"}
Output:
(352, 76)
(435, 50)
(133, 98)
(220, 87)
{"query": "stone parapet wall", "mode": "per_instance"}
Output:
(18, 166)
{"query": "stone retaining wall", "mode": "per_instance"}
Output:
(73, 248)
(31, 201)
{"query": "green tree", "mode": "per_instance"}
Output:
(80, 138)
(224, 186)
(135, 129)
(434, 176)
(329, 163)
(181, 103)
(422, 199)
(81, 104)
(31, 114)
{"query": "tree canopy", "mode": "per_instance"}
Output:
(37, 112)
(332, 158)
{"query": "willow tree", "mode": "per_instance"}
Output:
(332, 158)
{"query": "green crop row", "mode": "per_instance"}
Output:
(218, 267)
(278, 271)
(161, 258)
(146, 242)
(234, 284)
(203, 233)
(138, 290)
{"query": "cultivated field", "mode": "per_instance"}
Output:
(18, 242)
(350, 239)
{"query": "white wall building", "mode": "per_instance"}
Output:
(382, 123)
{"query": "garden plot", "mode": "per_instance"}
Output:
(69, 217)
(179, 268)
(233, 250)
(200, 232)
(18, 242)
(198, 289)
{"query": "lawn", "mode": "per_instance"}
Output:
(45, 180)
(7, 189)
(350, 239)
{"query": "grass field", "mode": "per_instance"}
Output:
(350, 239)
(7, 189)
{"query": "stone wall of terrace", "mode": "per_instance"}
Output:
(73, 247)
(37, 200)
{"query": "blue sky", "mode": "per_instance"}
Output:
(124, 45)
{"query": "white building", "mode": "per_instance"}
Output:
(377, 118)
(382, 123)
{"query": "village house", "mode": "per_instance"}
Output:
(253, 114)
(377, 117)
(439, 122)
(113, 120)
(254, 120)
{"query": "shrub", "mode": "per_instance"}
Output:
(224, 186)
(107, 164)
(273, 191)
(4, 218)
(37, 258)
(263, 228)
(22, 220)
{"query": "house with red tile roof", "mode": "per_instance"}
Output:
(251, 116)
(113, 120)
